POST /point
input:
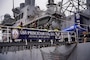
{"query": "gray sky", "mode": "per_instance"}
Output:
(6, 5)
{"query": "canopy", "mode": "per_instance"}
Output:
(74, 28)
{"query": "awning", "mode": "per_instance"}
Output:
(74, 28)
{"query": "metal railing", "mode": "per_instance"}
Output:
(63, 36)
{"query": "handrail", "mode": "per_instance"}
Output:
(6, 31)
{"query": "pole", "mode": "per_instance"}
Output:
(77, 34)
(78, 5)
(61, 6)
(13, 9)
(8, 35)
(69, 37)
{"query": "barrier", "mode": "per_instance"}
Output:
(12, 34)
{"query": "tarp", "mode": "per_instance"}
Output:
(74, 28)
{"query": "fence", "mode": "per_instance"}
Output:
(45, 35)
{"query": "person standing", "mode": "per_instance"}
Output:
(85, 36)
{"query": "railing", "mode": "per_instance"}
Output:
(6, 35)
(81, 37)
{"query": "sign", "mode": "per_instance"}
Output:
(15, 33)
(34, 34)
(77, 19)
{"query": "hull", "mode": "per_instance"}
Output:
(65, 52)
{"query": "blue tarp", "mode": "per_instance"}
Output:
(74, 27)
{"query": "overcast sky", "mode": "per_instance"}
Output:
(6, 5)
